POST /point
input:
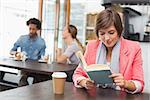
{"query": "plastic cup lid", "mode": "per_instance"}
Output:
(59, 75)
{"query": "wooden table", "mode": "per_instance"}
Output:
(36, 67)
(43, 91)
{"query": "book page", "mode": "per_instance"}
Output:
(95, 67)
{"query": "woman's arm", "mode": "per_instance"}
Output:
(80, 76)
(60, 57)
(132, 80)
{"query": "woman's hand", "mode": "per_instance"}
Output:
(119, 79)
(59, 51)
(87, 83)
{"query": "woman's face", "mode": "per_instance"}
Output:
(109, 36)
(65, 33)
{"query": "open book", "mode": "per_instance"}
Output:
(97, 72)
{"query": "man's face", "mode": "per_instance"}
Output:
(32, 30)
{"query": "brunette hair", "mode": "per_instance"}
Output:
(106, 18)
(73, 31)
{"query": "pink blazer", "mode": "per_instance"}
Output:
(130, 61)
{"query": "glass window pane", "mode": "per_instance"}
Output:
(77, 18)
(13, 16)
(48, 27)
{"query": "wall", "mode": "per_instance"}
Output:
(93, 6)
(139, 22)
(146, 65)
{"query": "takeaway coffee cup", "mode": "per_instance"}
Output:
(59, 79)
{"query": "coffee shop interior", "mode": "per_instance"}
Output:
(54, 16)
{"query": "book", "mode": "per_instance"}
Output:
(99, 73)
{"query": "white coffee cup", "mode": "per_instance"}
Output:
(59, 79)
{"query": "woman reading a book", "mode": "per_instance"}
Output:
(123, 56)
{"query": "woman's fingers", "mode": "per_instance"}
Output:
(115, 75)
(89, 84)
(118, 79)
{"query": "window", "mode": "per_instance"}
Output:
(48, 28)
(13, 17)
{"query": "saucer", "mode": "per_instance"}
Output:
(17, 59)
(42, 61)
